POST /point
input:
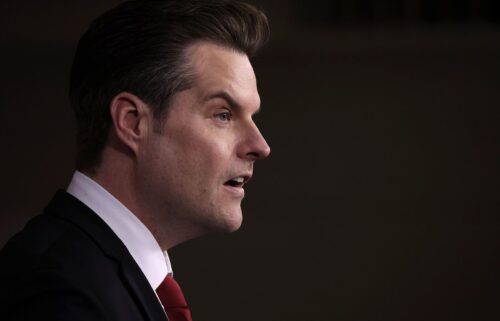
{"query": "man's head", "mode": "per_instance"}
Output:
(164, 96)
(140, 47)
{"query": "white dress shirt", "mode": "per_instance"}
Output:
(153, 262)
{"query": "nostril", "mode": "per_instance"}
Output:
(253, 155)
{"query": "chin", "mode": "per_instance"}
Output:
(230, 221)
(234, 226)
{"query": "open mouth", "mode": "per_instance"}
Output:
(237, 181)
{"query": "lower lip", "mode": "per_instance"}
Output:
(237, 191)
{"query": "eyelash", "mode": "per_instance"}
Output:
(224, 116)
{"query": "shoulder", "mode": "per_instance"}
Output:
(48, 242)
(45, 262)
(56, 268)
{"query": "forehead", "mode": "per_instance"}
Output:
(220, 69)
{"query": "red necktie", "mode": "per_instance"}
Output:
(173, 301)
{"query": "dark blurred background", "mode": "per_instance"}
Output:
(380, 200)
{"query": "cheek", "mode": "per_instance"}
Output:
(197, 152)
(208, 159)
(201, 157)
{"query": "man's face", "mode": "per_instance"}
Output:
(196, 165)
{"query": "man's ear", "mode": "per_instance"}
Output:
(130, 116)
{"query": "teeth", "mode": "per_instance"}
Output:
(238, 179)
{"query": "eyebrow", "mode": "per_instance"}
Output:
(229, 99)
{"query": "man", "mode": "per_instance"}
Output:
(164, 94)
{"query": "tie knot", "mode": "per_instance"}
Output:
(173, 300)
(170, 293)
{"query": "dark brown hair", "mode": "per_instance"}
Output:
(139, 47)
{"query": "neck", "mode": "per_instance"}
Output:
(125, 187)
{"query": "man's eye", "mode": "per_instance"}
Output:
(225, 116)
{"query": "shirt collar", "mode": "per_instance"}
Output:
(153, 262)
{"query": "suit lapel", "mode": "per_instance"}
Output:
(141, 289)
(67, 207)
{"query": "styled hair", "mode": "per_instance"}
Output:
(140, 47)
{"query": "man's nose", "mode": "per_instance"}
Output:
(254, 146)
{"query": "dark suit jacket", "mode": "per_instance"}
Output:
(67, 264)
